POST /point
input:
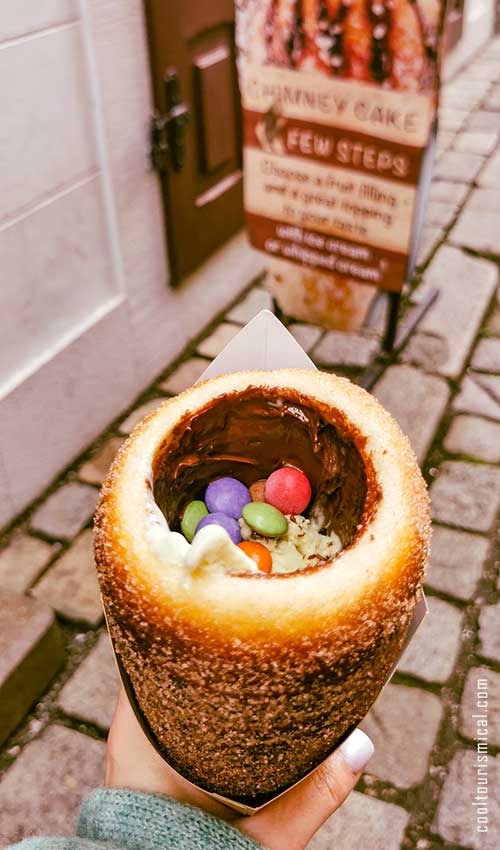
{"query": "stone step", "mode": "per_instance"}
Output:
(31, 652)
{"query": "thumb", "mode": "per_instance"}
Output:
(291, 821)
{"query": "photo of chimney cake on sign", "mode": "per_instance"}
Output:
(390, 43)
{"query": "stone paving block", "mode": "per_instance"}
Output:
(489, 636)
(490, 383)
(429, 240)
(71, 585)
(345, 349)
(451, 119)
(441, 213)
(66, 511)
(257, 299)
(476, 437)
(40, 794)
(133, 419)
(460, 102)
(31, 652)
(486, 357)
(428, 351)
(452, 193)
(477, 227)
(458, 167)
(417, 401)
(473, 704)
(457, 314)
(484, 122)
(391, 724)
(445, 140)
(213, 345)
(94, 470)
(362, 822)
(91, 692)
(306, 335)
(466, 495)
(480, 143)
(185, 376)
(431, 655)
(483, 202)
(22, 561)
(463, 99)
(490, 175)
(471, 82)
(492, 102)
(457, 561)
(474, 399)
(456, 818)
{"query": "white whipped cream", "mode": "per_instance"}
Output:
(211, 549)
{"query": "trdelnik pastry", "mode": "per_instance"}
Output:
(250, 666)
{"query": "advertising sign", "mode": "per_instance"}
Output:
(339, 101)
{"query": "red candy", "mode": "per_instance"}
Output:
(288, 489)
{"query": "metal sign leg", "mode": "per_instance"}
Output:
(392, 321)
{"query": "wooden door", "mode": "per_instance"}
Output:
(203, 199)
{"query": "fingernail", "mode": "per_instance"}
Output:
(357, 750)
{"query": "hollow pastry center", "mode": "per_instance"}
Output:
(248, 435)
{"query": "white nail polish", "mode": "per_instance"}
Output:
(357, 750)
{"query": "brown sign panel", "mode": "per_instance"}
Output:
(339, 98)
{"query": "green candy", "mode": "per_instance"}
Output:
(193, 513)
(265, 520)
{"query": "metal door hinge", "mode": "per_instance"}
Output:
(168, 128)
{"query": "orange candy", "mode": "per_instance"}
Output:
(258, 553)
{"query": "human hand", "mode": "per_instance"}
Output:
(288, 823)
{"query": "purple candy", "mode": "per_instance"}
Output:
(227, 496)
(226, 522)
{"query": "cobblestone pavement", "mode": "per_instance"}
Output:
(57, 680)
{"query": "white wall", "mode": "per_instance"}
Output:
(87, 318)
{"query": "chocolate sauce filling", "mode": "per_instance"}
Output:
(250, 434)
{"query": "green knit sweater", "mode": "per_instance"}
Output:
(113, 818)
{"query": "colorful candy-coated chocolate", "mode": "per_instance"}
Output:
(288, 489)
(227, 496)
(192, 514)
(257, 490)
(265, 519)
(258, 553)
(226, 522)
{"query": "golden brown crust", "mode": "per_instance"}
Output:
(248, 682)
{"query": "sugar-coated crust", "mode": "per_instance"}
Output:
(249, 681)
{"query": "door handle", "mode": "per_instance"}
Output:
(168, 129)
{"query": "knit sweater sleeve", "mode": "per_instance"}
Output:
(128, 820)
